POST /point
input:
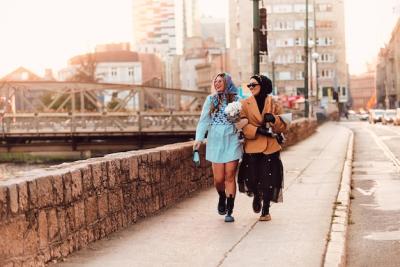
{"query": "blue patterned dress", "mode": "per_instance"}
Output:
(222, 140)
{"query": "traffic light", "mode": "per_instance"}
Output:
(263, 30)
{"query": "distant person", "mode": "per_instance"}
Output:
(223, 148)
(261, 171)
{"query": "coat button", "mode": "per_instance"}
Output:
(269, 160)
(270, 173)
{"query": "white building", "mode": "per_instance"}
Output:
(114, 66)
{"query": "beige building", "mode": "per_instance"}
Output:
(388, 72)
(286, 32)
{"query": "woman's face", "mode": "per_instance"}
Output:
(254, 87)
(219, 84)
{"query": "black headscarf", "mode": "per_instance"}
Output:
(265, 90)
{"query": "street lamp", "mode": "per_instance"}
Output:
(315, 56)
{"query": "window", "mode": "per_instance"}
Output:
(283, 25)
(284, 75)
(299, 58)
(282, 8)
(325, 41)
(298, 41)
(301, 8)
(113, 71)
(299, 25)
(130, 72)
(325, 24)
(327, 73)
(324, 7)
(327, 58)
(284, 42)
(300, 75)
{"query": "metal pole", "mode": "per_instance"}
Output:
(256, 34)
(316, 51)
(306, 104)
(273, 77)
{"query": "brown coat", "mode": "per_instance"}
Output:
(256, 143)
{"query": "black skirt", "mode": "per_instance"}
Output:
(261, 173)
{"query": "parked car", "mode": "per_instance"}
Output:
(397, 119)
(375, 115)
(363, 115)
(389, 116)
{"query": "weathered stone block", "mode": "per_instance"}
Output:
(87, 179)
(3, 203)
(76, 184)
(115, 200)
(45, 191)
(96, 175)
(53, 225)
(91, 208)
(67, 181)
(61, 215)
(13, 193)
(79, 210)
(42, 230)
(23, 196)
(12, 237)
(113, 173)
(58, 189)
(103, 205)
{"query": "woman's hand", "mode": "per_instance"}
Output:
(268, 117)
(196, 145)
(240, 124)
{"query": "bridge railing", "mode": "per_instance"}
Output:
(97, 123)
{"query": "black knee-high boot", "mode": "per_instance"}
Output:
(222, 203)
(230, 203)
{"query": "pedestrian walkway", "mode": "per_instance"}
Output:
(193, 234)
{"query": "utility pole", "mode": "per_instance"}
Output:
(256, 37)
(306, 103)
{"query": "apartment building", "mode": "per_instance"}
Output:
(286, 39)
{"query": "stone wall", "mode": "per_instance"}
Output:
(50, 213)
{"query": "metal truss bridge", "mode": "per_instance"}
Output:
(54, 116)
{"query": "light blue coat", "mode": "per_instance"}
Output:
(222, 140)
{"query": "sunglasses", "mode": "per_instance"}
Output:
(252, 85)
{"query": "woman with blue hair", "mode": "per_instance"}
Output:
(223, 148)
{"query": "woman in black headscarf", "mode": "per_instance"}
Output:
(261, 170)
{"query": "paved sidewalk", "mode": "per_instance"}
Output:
(193, 234)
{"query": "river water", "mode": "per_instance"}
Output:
(8, 170)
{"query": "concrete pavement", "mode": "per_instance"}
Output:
(193, 234)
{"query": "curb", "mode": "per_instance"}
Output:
(335, 254)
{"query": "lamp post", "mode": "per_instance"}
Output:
(315, 56)
(306, 103)
(256, 40)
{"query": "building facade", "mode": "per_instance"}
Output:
(388, 72)
(113, 63)
(362, 90)
(286, 40)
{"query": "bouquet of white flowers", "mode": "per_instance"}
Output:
(232, 112)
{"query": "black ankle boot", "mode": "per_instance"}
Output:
(256, 203)
(230, 203)
(222, 203)
(265, 216)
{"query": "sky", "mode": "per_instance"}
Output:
(40, 34)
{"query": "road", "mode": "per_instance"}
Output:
(374, 230)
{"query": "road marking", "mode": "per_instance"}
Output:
(385, 149)
(366, 192)
(384, 236)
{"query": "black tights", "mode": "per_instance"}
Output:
(266, 201)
